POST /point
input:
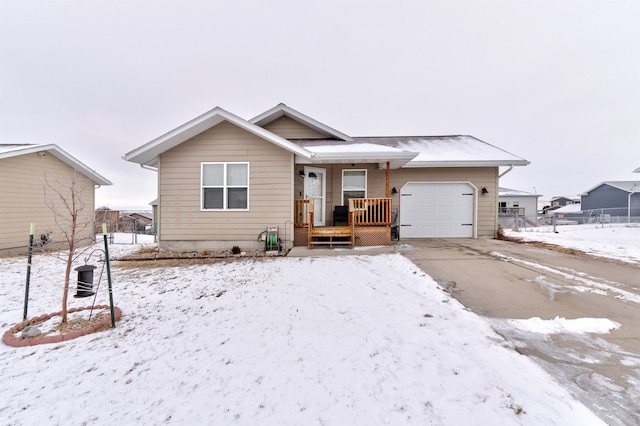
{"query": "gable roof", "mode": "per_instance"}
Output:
(14, 150)
(416, 151)
(626, 186)
(284, 110)
(148, 153)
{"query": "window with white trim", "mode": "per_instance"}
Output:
(354, 185)
(225, 186)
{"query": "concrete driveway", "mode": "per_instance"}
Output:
(502, 280)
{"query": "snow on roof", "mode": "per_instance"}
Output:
(506, 192)
(418, 151)
(450, 151)
(358, 152)
(569, 208)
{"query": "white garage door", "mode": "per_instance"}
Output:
(437, 210)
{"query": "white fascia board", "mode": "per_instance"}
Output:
(637, 170)
(499, 163)
(395, 159)
(61, 155)
(282, 109)
(148, 153)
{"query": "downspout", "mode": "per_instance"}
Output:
(629, 206)
(506, 171)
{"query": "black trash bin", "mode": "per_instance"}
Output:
(85, 281)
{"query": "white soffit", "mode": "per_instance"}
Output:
(360, 153)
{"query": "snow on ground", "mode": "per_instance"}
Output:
(613, 241)
(357, 340)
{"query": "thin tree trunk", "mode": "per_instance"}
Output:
(71, 241)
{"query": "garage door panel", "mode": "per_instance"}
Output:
(436, 210)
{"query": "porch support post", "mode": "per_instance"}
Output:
(387, 180)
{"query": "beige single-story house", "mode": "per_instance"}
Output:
(30, 175)
(222, 180)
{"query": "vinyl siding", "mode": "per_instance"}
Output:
(480, 177)
(288, 128)
(270, 196)
(22, 200)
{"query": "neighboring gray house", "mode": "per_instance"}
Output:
(557, 202)
(617, 201)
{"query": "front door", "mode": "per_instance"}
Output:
(315, 189)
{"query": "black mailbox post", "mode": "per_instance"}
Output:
(85, 281)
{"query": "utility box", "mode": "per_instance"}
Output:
(84, 286)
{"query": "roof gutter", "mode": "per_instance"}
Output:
(153, 169)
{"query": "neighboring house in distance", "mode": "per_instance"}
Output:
(513, 203)
(26, 172)
(107, 216)
(222, 180)
(613, 200)
(556, 202)
(135, 222)
(118, 221)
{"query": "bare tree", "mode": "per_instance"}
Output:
(65, 199)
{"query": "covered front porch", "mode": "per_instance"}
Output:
(364, 222)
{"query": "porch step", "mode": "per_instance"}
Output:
(331, 235)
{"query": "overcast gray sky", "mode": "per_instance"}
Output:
(555, 82)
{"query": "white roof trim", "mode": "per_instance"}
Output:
(361, 153)
(148, 153)
(60, 154)
(282, 109)
(633, 187)
(490, 163)
(637, 170)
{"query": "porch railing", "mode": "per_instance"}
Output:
(301, 212)
(371, 211)
(366, 211)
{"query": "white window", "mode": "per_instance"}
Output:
(225, 186)
(354, 185)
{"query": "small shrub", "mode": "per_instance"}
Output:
(236, 250)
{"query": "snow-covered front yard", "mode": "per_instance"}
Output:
(354, 340)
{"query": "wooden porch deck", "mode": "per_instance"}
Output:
(368, 225)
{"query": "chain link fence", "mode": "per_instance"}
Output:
(127, 230)
(517, 221)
